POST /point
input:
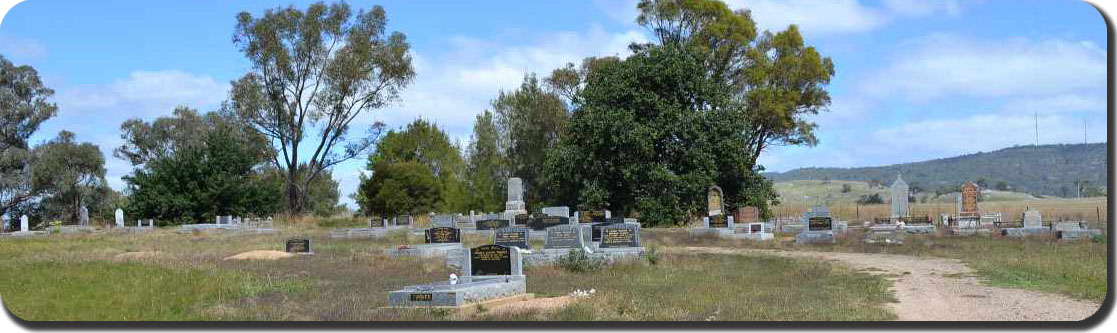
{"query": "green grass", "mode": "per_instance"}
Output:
(106, 291)
(715, 287)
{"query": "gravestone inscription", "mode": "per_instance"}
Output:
(619, 235)
(969, 200)
(595, 231)
(491, 224)
(439, 235)
(819, 223)
(544, 222)
(564, 237)
(490, 260)
(512, 236)
(298, 245)
(718, 221)
(592, 216)
(522, 219)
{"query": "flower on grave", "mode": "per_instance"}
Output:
(402, 247)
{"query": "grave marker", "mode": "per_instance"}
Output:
(512, 236)
(900, 193)
(748, 214)
(542, 223)
(440, 235)
(298, 245)
(968, 200)
(819, 223)
(620, 235)
(564, 237)
(492, 224)
(83, 216)
(490, 260)
(119, 217)
(562, 211)
(23, 222)
(593, 216)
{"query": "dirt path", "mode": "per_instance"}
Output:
(942, 289)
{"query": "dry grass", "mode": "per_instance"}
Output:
(1092, 210)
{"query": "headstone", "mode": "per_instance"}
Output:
(756, 228)
(4, 223)
(718, 221)
(900, 193)
(515, 203)
(748, 214)
(1033, 219)
(298, 245)
(564, 237)
(119, 217)
(968, 200)
(83, 216)
(595, 231)
(714, 203)
(522, 219)
(512, 236)
(376, 222)
(593, 216)
(544, 222)
(562, 211)
(442, 221)
(492, 224)
(820, 223)
(439, 235)
(620, 235)
(23, 222)
(403, 220)
(490, 260)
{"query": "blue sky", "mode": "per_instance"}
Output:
(915, 79)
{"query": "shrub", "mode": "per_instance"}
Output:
(578, 261)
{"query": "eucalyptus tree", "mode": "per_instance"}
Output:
(314, 73)
(24, 105)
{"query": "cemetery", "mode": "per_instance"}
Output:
(340, 169)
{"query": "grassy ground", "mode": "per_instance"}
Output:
(183, 277)
(1092, 210)
(1076, 269)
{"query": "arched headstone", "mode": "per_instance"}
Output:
(23, 221)
(714, 202)
(119, 217)
(83, 216)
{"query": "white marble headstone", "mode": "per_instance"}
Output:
(900, 198)
(1033, 219)
(83, 216)
(23, 221)
(119, 217)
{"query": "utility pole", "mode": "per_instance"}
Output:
(1037, 128)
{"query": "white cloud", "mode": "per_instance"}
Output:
(451, 88)
(986, 132)
(144, 93)
(18, 49)
(1058, 104)
(917, 8)
(944, 65)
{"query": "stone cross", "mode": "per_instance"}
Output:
(23, 224)
(83, 216)
(119, 217)
(900, 198)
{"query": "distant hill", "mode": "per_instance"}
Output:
(1049, 170)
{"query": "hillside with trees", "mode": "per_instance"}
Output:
(1050, 170)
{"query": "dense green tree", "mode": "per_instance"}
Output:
(67, 175)
(781, 80)
(214, 172)
(424, 143)
(314, 72)
(532, 119)
(568, 81)
(24, 106)
(395, 188)
(486, 167)
(650, 135)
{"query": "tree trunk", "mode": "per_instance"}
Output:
(293, 201)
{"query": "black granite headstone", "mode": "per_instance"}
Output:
(522, 219)
(490, 260)
(719, 221)
(544, 222)
(443, 235)
(619, 235)
(756, 228)
(819, 223)
(491, 224)
(298, 245)
(596, 230)
(564, 237)
(592, 216)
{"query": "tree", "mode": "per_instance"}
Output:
(782, 80)
(1002, 186)
(321, 195)
(846, 188)
(321, 69)
(23, 107)
(569, 81)
(198, 184)
(486, 168)
(215, 172)
(651, 134)
(870, 199)
(424, 143)
(184, 129)
(395, 188)
(68, 175)
(532, 119)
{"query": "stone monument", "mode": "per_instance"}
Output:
(715, 210)
(515, 204)
(119, 218)
(23, 224)
(967, 201)
(83, 216)
(900, 193)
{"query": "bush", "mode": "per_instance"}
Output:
(578, 261)
(652, 255)
(870, 199)
(1099, 238)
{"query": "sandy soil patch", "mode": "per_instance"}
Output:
(261, 255)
